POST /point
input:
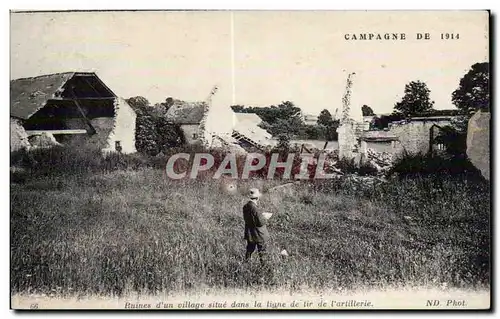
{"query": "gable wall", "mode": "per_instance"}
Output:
(188, 130)
(124, 128)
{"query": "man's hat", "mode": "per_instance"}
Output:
(254, 193)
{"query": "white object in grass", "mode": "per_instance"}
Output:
(284, 252)
(267, 215)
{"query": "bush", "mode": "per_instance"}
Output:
(347, 166)
(409, 165)
(367, 169)
(283, 143)
(58, 160)
(155, 135)
(64, 160)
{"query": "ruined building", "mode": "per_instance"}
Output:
(72, 108)
(218, 126)
(415, 135)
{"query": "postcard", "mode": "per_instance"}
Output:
(149, 150)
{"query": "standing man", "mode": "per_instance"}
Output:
(256, 233)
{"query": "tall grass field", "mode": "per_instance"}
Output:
(121, 232)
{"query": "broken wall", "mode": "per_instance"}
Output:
(478, 142)
(191, 133)
(347, 140)
(18, 136)
(124, 128)
(414, 135)
(220, 119)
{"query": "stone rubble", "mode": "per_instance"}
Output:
(382, 161)
(44, 140)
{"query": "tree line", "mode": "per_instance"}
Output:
(286, 120)
(472, 94)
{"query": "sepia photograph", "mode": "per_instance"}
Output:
(250, 160)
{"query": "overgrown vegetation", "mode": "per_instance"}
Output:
(440, 165)
(81, 227)
(153, 133)
(286, 119)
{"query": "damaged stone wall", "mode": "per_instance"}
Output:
(347, 140)
(220, 120)
(414, 135)
(103, 126)
(192, 133)
(18, 136)
(123, 128)
(44, 140)
(478, 142)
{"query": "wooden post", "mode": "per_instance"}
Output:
(92, 130)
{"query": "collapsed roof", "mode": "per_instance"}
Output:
(182, 112)
(29, 95)
(247, 125)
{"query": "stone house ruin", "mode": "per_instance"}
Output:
(72, 108)
(310, 119)
(380, 141)
(415, 134)
(188, 115)
(219, 127)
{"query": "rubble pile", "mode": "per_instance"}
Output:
(364, 181)
(332, 168)
(44, 140)
(382, 161)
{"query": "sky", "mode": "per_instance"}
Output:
(255, 58)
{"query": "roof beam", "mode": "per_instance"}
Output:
(55, 132)
(83, 98)
(92, 129)
(90, 84)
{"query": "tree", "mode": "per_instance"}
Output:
(284, 118)
(283, 145)
(291, 127)
(325, 118)
(331, 131)
(154, 135)
(146, 135)
(367, 111)
(271, 114)
(285, 110)
(473, 92)
(168, 135)
(330, 125)
(382, 122)
(315, 132)
(416, 99)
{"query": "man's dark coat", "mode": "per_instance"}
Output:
(255, 224)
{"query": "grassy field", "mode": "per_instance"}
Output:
(133, 231)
